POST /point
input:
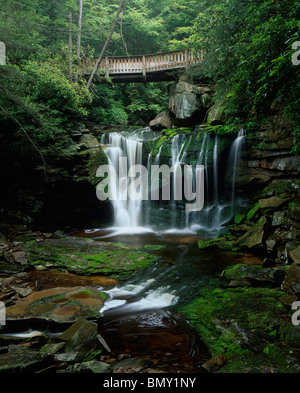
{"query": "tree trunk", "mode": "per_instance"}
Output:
(70, 48)
(79, 38)
(105, 46)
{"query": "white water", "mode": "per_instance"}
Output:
(132, 298)
(235, 156)
(127, 211)
(138, 216)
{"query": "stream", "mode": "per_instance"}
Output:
(140, 316)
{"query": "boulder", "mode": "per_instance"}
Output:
(161, 121)
(187, 101)
(216, 114)
(80, 338)
(22, 359)
(59, 305)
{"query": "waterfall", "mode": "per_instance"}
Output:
(185, 152)
(127, 212)
(234, 157)
(215, 168)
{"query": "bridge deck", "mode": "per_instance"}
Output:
(123, 68)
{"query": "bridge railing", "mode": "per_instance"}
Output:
(114, 65)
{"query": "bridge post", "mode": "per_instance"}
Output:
(187, 59)
(107, 67)
(144, 68)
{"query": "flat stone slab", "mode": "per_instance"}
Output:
(86, 256)
(60, 305)
(274, 202)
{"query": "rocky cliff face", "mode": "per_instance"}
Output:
(66, 197)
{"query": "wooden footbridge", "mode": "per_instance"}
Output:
(147, 68)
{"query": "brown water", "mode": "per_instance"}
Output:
(141, 328)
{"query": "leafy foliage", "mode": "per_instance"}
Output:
(248, 48)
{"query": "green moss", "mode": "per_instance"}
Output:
(222, 243)
(248, 325)
(153, 247)
(84, 256)
(252, 212)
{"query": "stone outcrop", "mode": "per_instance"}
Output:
(162, 121)
(188, 103)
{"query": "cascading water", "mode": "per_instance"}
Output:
(235, 157)
(185, 149)
(127, 211)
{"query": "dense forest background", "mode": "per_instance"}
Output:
(248, 46)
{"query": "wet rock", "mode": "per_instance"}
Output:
(291, 283)
(21, 359)
(131, 365)
(255, 274)
(60, 305)
(80, 338)
(52, 349)
(68, 357)
(215, 363)
(93, 366)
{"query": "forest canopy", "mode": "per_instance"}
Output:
(248, 52)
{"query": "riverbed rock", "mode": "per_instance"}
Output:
(80, 338)
(246, 274)
(59, 305)
(22, 359)
(86, 256)
(93, 366)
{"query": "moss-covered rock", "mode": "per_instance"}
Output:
(86, 257)
(250, 326)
